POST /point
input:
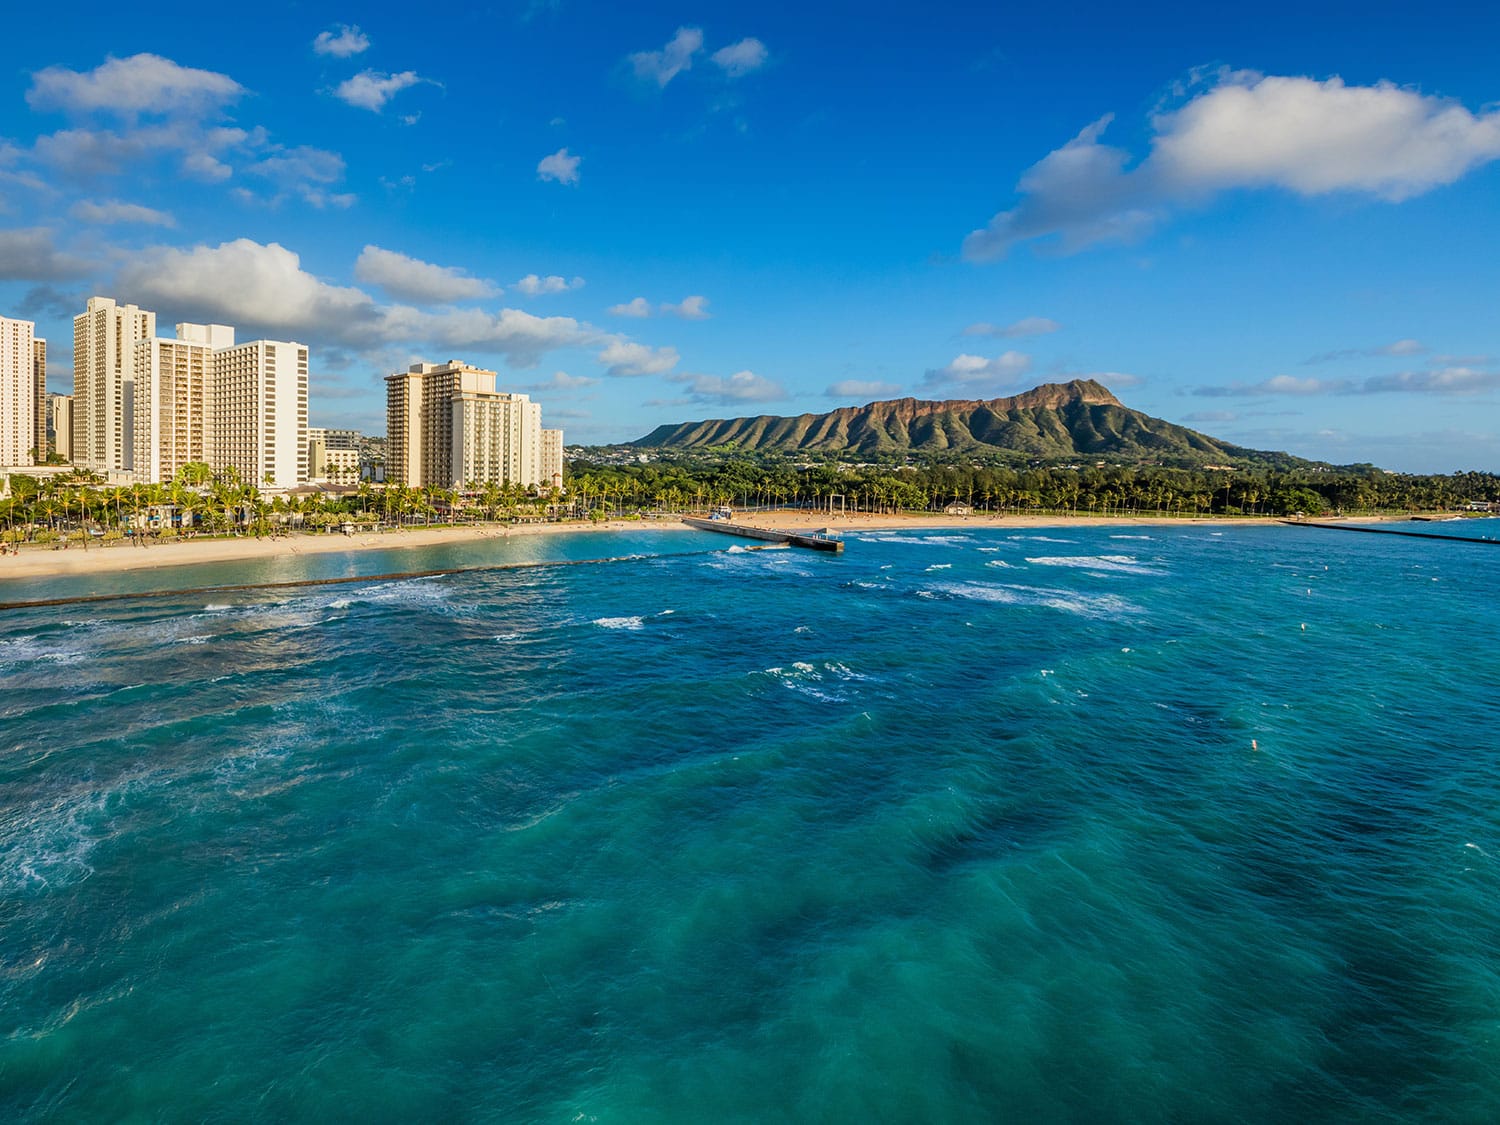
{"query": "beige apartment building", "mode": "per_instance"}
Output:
(104, 340)
(448, 426)
(260, 412)
(201, 397)
(60, 426)
(333, 454)
(552, 459)
(39, 396)
(174, 421)
(19, 366)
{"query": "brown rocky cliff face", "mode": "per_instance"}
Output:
(1048, 396)
(1078, 418)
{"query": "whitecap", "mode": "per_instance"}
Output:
(1068, 601)
(941, 566)
(619, 622)
(48, 845)
(1123, 564)
(815, 681)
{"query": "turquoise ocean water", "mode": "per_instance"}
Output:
(1158, 824)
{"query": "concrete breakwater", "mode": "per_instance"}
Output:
(809, 539)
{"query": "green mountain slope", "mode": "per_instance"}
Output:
(1076, 419)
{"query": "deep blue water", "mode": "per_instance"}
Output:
(1085, 824)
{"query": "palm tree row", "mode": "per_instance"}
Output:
(78, 506)
(749, 482)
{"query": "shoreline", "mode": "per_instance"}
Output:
(43, 561)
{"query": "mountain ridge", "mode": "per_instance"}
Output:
(1081, 417)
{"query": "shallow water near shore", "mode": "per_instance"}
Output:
(1035, 824)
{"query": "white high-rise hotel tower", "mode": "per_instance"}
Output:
(23, 392)
(148, 406)
(448, 427)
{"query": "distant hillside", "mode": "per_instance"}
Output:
(1056, 420)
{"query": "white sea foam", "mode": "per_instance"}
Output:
(941, 566)
(1068, 601)
(1000, 563)
(916, 540)
(1036, 539)
(217, 607)
(816, 681)
(631, 623)
(1145, 537)
(47, 844)
(1122, 564)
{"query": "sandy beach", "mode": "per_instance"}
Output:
(43, 561)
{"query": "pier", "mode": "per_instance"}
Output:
(812, 540)
(1390, 531)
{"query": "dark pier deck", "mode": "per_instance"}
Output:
(811, 540)
(1390, 531)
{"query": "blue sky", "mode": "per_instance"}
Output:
(1275, 224)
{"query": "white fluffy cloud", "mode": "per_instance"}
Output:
(664, 65)
(349, 41)
(863, 389)
(975, 372)
(370, 89)
(1447, 380)
(27, 254)
(147, 109)
(1317, 137)
(623, 358)
(560, 167)
(130, 87)
(1029, 326)
(742, 386)
(1247, 130)
(562, 381)
(1276, 385)
(534, 285)
(637, 307)
(245, 282)
(306, 172)
(410, 279)
(1440, 381)
(689, 308)
(263, 288)
(112, 211)
(521, 337)
(742, 58)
